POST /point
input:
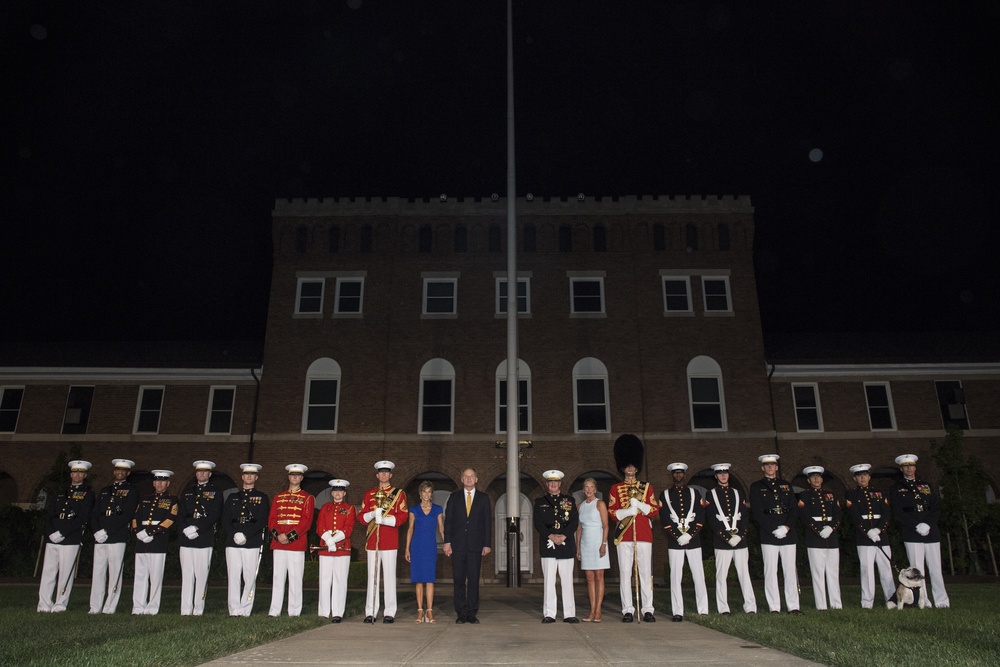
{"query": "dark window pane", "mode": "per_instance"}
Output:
(659, 238)
(591, 418)
(334, 239)
(808, 419)
(437, 419)
(322, 418)
(877, 396)
(704, 390)
(461, 239)
(220, 422)
(78, 410)
(529, 238)
(723, 236)
(152, 399)
(691, 237)
(11, 399)
(322, 392)
(425, 238)
(881, 418)
(707, 416)
(222, 399)
(676, 295)
(149, 421)
(437, 392)
(590, 391)
(805, 397)
(600, 239)
(565, 239)
(494, 241)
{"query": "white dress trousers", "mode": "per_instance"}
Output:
(241, 565)
(676, 558)
(929, 553)
(107, 578)
(333, 572)
(771, 553)
(563, 568)
(57, 576)
(824, 568)
(627, 577)
(287, 565)
(740, 559)
(386, 560)
(195, 564)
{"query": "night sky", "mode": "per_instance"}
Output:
(145, 143)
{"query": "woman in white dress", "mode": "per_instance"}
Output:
(592, 546)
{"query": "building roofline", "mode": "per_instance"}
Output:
(13, 374)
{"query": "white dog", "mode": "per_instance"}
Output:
(910, 590)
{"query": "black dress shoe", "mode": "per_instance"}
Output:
(369, 619)
(460, 620)
(677, 618)
(795, 612)
(388, 619)
(335, 619)
(648, 617)
(548, 619)
(571, 619)
(472, 619)
(727, 613)
(627, 618)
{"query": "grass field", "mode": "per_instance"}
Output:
(968, 633)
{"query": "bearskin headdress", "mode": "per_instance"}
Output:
(628, 451)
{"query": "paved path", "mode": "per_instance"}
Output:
(511, 633)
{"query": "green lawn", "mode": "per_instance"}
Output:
(968, 633)
(77, 638)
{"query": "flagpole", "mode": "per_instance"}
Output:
(513, 407)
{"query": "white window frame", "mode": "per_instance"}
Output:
(139, 410)
(341, 280)
(704, 295)
(437, 370)
(298, 296)
(211, 410)
(701, 368)
(576, 277)
(322, 369)
(818, 409)
(500, 301)
(67, 415)
(889, 407)
(17, 415)
(686, 279)
(590, 368)
(440, 279)
(523, 375)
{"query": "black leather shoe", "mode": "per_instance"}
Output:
(460, 620)
(627, 618)
(388, 619)
(571, 619)
(369, 619)
(727, 613)
(548, 619)
(677, 618)
(472, 619)
(648, 617)
(795, 612)
(335, 619)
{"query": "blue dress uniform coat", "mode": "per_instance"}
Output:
(868, 509)
(246, 511)
(818, 508)
(772, 503)
(69, 514)
(730, 518)
(201, 507)
(688, 516)
(914, 502)
(156, 514)
(114, 511)
(556, 515)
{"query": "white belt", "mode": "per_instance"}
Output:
(820, 518)
(150, 523)
(871, 516)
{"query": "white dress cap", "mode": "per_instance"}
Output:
(251, 467)
(341, 484)
(721, 467)
(79, 466)
(813, 470)
(296, 468)
(906, 459)
(385, 466)
(861, 467)
(123, 463)
(553, 475)
(769, 458)
(204, 465)
(163, 474)
(677, 466)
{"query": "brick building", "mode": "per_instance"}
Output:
(386, 339)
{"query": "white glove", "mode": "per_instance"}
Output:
(56, 537)
(639, 505)
(780, 532)
(923, 529)
(367, 516)
(389, 521)
(379, 513)
(101, 536)
(330, 544)
(874, 535)
(550, 544)
(826, 532)
(734, 540)
(327, 535)
(191, 532)
(626, 513)
(338, 536)
(240, 539)
(142, 535)
(683, 539)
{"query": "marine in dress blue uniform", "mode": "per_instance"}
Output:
(111, 521)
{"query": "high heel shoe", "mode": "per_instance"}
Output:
(597, 616)
(588, 618)
(420, 616)
(430, 617)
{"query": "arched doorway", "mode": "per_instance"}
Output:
(526, 537)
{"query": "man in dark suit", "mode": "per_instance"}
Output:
(467, 529)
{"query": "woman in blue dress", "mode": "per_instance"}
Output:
(426, 523)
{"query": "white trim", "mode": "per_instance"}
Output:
(454, 297)
(209, 411)
(357, 280)
(703, 367)
(888, 398)
(705, 295)
(819, 410)
(298, 297)
(323, 369)
(846, 370)
(436, 370)
(138, 409)
(686, 279)
(573, 280)
(590, 368)
(502, 311)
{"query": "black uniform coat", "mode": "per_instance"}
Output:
(246, 511)
(868, 509)
(772, 503)
(550, 510)
(818, 508)
(69, 514)
(114, 510)
(683, 499)
(729, 506)
(155, 514)
(914, 502)
(201, 507)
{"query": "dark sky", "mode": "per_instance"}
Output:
(145, 142)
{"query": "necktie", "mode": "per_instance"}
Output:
(468, 503)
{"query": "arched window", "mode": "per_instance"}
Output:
(708, 407)
(659, 237)
(565, 239)
(322, 400)
(523, 397)
(723, 236)
(590, 397)
(495, 235)
(691, 237)
(425, 238)
(437, 397)
(600, 239)
(530, 238)
(461, 238)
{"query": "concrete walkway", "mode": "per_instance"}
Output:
(510, 633)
